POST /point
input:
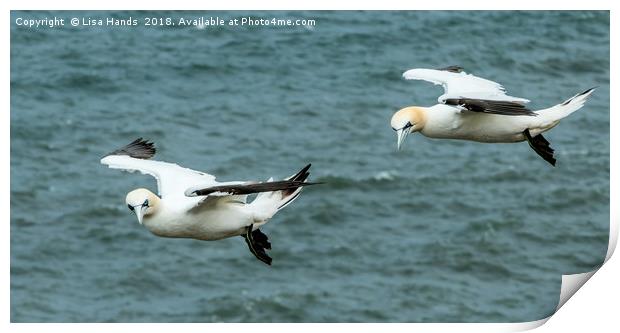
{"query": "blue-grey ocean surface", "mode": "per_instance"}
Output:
(444, 231)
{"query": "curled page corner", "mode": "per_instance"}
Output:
(526, 326)
(571, 283)
(613, 239)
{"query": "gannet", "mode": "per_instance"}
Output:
(477, 109)
(191, 204)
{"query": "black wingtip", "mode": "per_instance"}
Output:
(302, 175)
(452, 69)
(588, 91)
(298, 180)
(138, 148)
(303, 172)
(311, 183)
(286, 186)
(506, 108)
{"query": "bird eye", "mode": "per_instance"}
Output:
(130, 207)
(146, 203)
(408, 125)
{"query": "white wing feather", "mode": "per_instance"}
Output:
(462, 85)
(172, 179)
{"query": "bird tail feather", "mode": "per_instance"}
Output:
(562, 110)
(272, 202)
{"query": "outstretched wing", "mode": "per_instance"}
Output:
(208, 202)
(288, 185)
(244, 189)
(239, 191)
(490, 106)
(171, 178)
(470, 92)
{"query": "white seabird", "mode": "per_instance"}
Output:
(191, 204)
(477, 109)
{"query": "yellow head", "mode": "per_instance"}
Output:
(408, 120)
(142, 202)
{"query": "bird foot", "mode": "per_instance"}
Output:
(541, 146)
(258, 242)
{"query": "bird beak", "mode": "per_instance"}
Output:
(401, 134)
(140, 213)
